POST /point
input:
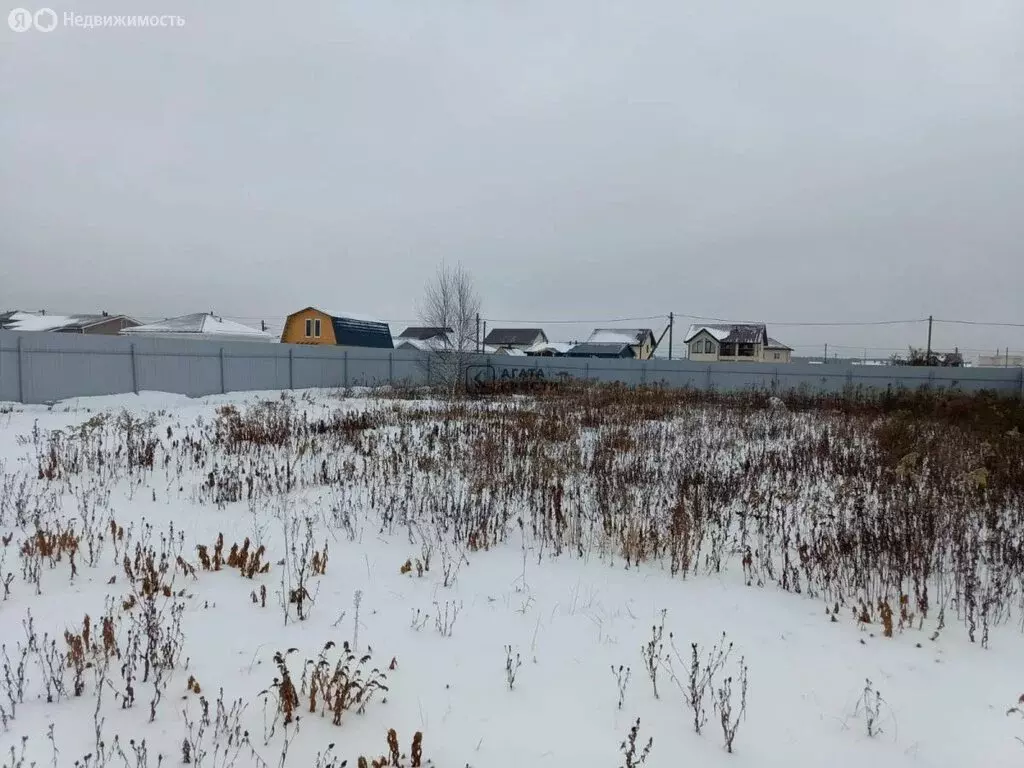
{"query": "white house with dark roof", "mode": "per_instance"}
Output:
(738, 342)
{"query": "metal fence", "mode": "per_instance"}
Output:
(46, 367)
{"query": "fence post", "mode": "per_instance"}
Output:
(428, 369)
(21, 371)
(344, 366)
(586, 371)
(291, 367)
(1020, 380)
(223, 389)
(391, 368)
(708, 387)
(135, 372)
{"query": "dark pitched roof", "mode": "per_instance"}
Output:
(361, 333)
(501, 336)
(423, 333)
(732, 333)
(601, 350)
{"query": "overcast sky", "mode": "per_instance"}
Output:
(793, 160)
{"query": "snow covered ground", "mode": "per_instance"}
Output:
(449, 634)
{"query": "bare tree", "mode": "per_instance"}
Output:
(450, 301)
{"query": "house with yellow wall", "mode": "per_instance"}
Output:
(738, 342)
(317, 326)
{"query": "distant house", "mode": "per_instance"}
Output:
(317, 326)
(204, 326)
(102, 324)
(735, 343)
(640, 340)
(603, 349)
(515, 338)
(1001, 360)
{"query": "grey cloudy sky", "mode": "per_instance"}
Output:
(792, 160)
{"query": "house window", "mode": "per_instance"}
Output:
(776, 355)
(316, 327)
(709, 348)
(728, 350)
(746, 350)
(309, 327)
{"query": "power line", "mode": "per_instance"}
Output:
(834, 323)
(578, 322)
(980, 322)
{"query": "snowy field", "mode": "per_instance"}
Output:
(500, 572)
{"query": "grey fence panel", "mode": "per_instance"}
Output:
(9, 371)
(43, 367)
(255, 370)
(172, 365)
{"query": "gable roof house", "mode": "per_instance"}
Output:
(515, 338)
(102, 324)
(640, 340)
(199, 326)
(318, 326)
(739, 342)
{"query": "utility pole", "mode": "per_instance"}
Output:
(263, 325)
(478, 332)
(483, 341)
(1007, 357)
(928, 354)
(671, 323)
(825, 359)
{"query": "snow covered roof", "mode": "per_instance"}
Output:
(776, 344)
(631, 336)
(199, 324)
(744, 333)
(38, 321)
(555, 347)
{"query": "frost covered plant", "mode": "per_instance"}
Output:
(622, 681)
(632, 756)
(395, 757)
(700, 673)
(512, 665)
(724, 706)
(653, 650)
(1018, 710)
(870, 707)
(444, 619)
